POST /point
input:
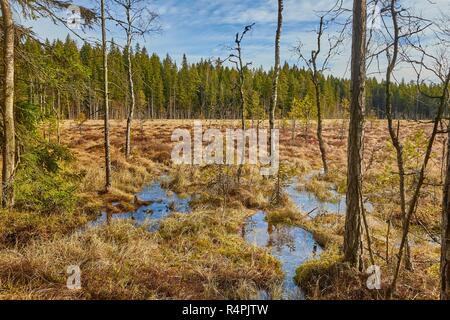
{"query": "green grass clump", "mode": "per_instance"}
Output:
(322, 190)
(312, 269)
(287, 215)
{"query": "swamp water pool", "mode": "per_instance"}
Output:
(307, 202)
(291, 245)
(160, 204)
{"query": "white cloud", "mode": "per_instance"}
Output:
(201, 28)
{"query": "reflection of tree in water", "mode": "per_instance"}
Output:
(280, 239)
(249, 227)
(254, 230)
(280, 236)
(291, 245)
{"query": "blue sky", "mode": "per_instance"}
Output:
(203, 28)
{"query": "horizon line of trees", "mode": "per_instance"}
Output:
(61, 77)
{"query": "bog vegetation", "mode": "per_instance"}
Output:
(363, 180)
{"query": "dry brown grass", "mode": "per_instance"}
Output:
(380, 187)
(201, 255)
(196, 256)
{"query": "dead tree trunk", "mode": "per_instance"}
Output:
(242, 98)
(108, 183)
(9, 143)
(317, 66)
(352, 236)
(235, 57)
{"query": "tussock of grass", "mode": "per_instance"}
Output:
(253, 200)
(327, 229)
(205, 200)
(329, 278)
(211, 240)
(217, 186)
(301, 166)
(309, 271)
(119, 261)
(321, 189)
(286, 214)
(180, 179)
(337, 178)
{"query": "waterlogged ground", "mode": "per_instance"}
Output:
(308, 202)
(291, 245)
(153, 149)
(159, 203)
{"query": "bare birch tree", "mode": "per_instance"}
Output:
(317, 67)
(402, 31)
(136, 21)
(434, 61)
(401, 25)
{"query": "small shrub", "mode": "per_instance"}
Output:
(41, 185)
